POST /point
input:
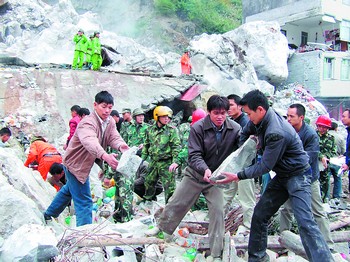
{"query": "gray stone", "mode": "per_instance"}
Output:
(30, 242)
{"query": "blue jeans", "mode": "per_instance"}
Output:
(337, 187)
(297, 189)
(81, 195)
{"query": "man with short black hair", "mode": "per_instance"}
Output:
(5, 134)
(88, 145)
(212, 139)
(245, 188)
(118, 120)
(311, 144)
(283, 153)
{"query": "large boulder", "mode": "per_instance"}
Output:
(266, 48)
(30, 243)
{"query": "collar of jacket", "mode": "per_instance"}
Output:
(261, 127)
(207, 124)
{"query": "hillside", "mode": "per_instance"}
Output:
(154, 24)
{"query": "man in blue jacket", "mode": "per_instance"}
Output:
(346, 121)
(283, 153)
(311, 144)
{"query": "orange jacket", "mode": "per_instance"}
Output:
(45, 154)
(185, 64)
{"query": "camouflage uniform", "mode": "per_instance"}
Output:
(328, 148)
(124, 194)
(124, 129)
(162, 146)
(135, 134)
(184, 132)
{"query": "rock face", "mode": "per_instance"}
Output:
(266, 48)
(30, 243)
(40, 99)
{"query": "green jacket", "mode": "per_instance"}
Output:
(328, 147)
(80, 42)
(135, 134)
(96, 45)
(161, 144)
(89, 47)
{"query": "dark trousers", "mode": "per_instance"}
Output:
(297, 189)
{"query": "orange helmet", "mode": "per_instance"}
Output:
(198, 114)
(324, 121)
(162, 111)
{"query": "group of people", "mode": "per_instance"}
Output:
(291, 148)
(87, 52)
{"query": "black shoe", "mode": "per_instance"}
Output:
(47, 218)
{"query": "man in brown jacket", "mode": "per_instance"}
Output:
(94, 133)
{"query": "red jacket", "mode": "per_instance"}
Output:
(185, 64)
(73, 123)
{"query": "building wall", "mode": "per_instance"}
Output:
(307, 69)
(334, 87)
(304, 68)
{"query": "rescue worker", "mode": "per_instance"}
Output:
(245, 188)
(79, 52)
(311, 145)
(125, 186)
(5, 134)
(96, 58)
(127, 120)
(88, 54)
(328, 149)
(212, 139)
(161, 146)
(44, 154)
(345, 119)
(56, 177)
(186, 66)
(136, 132)
(334, 169)
(282, 151)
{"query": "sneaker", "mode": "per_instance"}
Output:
(343, 195)
(152, 232)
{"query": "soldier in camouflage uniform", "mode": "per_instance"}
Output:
(124, 194)
(134, 136)
(162, 146)
(136, 132)
(126, 112)
(184, 132)
(328, 149)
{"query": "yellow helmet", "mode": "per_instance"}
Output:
(162, 111)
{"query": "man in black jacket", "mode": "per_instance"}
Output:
(283, 153)
(212, 139)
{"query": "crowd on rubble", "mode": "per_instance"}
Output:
(294, 160)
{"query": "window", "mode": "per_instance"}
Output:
(303, 38)
(345, 30)
(345, 69)
(328, 68)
